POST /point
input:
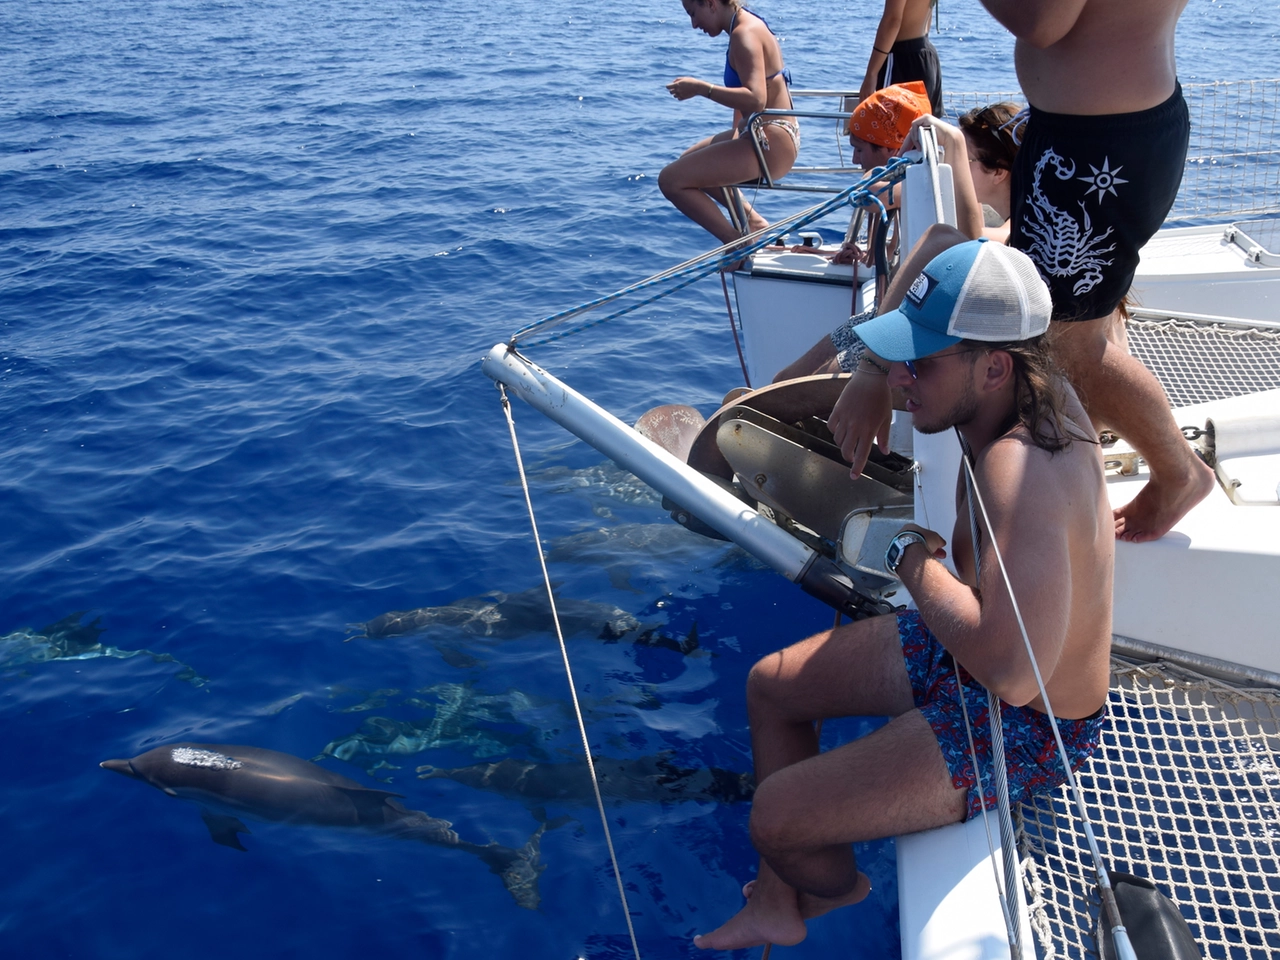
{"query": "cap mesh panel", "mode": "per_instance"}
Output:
(1039, 303)
(1004, 299)
(991, 308)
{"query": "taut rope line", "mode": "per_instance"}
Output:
(859, 194)
(1006, 880)
(568, 672)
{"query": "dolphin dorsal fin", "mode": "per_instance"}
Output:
(374, 806)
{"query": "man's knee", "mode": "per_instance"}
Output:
(937, 238)
(943, 235)
(765, 685)
(776, 823)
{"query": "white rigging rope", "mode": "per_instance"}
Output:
(1007, 881)
(1120, 936)
(568, 672)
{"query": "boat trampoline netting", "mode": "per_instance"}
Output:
(1199, 361)
(1185, 791)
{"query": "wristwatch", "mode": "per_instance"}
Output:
(898, 547)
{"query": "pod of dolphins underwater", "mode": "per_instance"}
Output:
(231, 783)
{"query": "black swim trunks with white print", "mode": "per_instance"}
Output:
(1088, 192)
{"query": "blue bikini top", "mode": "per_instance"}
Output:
(731, 78)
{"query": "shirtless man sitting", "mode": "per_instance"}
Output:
(1040, 475)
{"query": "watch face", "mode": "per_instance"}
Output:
(893, 556)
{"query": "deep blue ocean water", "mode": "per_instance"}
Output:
(250, 255)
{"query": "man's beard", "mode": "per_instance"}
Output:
(962, 412)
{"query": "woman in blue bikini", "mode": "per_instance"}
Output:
(755, 78)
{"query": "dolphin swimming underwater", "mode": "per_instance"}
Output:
(69, 639)
(643, 779)
(229, 782)
(504, 616)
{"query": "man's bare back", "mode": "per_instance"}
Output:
(912, 17)
(1045, 490)
(1090, 57)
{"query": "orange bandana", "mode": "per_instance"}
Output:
(885, 117)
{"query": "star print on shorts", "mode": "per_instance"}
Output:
(1104, 181)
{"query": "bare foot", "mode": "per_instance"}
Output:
(1158, 506)
(811, 906)
(763, 920)
(756, 222)
(756, 927)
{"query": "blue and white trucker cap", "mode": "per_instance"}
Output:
(973, 291)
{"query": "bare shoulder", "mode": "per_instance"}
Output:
(1018, 473)
(755, 32)
(1011, 469)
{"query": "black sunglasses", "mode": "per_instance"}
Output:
(911, 364)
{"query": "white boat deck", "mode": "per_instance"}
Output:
(1197, 270)
(1202, 588)
(953, 910)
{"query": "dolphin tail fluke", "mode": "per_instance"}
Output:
(521, 876)
(519, 869)
(224, 829)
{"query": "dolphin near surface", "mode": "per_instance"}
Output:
(643, 779)
(70, 639)
(504, 616)
(229, 782)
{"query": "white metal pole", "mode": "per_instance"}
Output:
(650, 462)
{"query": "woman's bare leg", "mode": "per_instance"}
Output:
(716, 162)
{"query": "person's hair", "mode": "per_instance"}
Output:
(991, 141)
(1039, 393)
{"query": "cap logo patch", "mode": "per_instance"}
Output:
(920, 289)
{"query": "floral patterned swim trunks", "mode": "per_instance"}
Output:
(1031, 756)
